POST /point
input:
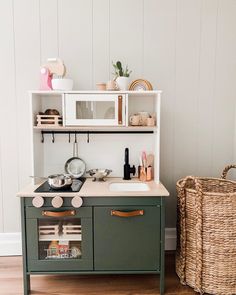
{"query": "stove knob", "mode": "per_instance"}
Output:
(77, 202)
(57, 202)
(38, 201)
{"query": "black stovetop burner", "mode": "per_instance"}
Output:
(75, 187)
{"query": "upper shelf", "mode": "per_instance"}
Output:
(97, 128)
(136, 93)
(118, 121)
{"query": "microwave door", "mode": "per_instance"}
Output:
(94, 110)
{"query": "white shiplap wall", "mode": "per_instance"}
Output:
(187, 48)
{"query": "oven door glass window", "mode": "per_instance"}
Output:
(95, 110)
(60, 238)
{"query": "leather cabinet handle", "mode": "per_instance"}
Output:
(127, 214)
(59, 213)
(120, 109)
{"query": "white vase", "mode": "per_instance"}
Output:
(122, 83)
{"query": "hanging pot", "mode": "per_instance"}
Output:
(75, 166)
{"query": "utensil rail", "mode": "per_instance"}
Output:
(92, 132)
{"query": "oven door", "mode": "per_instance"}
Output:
(59, 240)
(94, 109)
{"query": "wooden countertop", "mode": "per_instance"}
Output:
(101, 189)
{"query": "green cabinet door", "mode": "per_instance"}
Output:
(59, 239)
(126, 243)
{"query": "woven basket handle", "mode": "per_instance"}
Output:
(198, 209)
(226, 170)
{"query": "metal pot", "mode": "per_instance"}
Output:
(57, 181)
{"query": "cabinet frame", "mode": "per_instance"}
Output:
(26, 203)
(133, 102)
(41, 100)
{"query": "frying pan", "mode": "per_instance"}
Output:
(75, 166)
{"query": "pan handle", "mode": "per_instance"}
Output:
(75, 148)
(40, 177)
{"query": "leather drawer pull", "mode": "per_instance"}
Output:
(59, 213)
(127, 214)
(120, 109)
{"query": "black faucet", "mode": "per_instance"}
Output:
(127, 169)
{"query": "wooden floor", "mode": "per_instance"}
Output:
(11, 282)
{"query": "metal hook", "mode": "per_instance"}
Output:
(42, 139)
(69, 136)
(75, 137)
(53, 137)
(88, 137)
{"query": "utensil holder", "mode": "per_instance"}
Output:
(145, 173)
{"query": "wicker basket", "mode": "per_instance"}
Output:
(206, 226)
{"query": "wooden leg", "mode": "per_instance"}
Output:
(162, 272)
(162, 249)
(26, 277)
(162, 283)
(26, 281)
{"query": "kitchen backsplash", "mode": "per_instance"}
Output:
(103, 151)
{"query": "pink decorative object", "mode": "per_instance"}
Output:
(45, 79)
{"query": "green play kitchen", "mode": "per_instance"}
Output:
(95, 204)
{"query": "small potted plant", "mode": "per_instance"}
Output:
(121, 75)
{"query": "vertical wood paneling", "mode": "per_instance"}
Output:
(75, 40)
(187, 48)
(101, 54)
(27, 60)
(8, 122)
(206, 87)
(187, 80)
(126, 39)
(27, 63)
(159, 68)
(225, 87)
(1, 193)
(48, 29)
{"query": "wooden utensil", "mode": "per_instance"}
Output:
(150, 160)
(144, 159)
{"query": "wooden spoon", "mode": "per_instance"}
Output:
(150, 160)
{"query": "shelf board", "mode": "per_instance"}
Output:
(56, 92)
(67, 237)
(96, 128)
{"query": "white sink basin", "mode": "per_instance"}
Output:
(128, 187)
